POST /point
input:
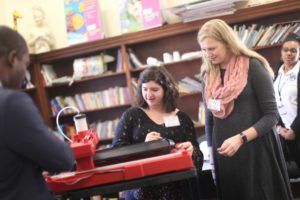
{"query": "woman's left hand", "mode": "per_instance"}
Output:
(288, 134)
(230, 146)
(185, 145)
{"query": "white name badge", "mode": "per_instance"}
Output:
(171, 121)
(214, 104)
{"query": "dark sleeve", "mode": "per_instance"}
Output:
(208, 119)
(190, 134)
(262, 84)
(296, 123)
(29, 137)
(123, 132)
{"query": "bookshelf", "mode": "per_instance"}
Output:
(153, 42)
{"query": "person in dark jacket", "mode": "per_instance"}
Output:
(286, 85)
(27, 146)
(242, 111)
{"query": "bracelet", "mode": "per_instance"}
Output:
(244, 138)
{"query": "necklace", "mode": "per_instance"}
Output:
(280, 86)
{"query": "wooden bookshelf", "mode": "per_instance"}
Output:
(154, 42)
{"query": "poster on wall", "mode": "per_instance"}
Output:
(136, 15)
(83, 21)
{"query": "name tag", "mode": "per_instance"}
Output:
(171, 121)
(214, 104)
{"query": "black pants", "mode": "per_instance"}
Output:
(291, 150)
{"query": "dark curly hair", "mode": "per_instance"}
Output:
(162, 77)
(292, 37)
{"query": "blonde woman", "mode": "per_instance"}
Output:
(241, 112)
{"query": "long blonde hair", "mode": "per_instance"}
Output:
(222, 32)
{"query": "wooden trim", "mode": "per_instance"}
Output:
(42, 100)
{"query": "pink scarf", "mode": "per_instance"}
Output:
(235, 80)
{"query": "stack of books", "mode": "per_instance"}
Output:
(204, 9)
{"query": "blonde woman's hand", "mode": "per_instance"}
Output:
(186, 146)
(230, 146)
(152, 136)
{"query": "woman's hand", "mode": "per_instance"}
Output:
(152, 136)
(230, 146)
(287, 134)
(186, 146)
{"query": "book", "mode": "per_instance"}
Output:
(119, 67)
(48, 73)
(131, 18)
(137, 15)
(83, 21)
(50, 76)
(151, 14)
(91, 66)
(134, 59)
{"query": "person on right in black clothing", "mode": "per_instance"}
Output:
(287, 92)
(240, 98)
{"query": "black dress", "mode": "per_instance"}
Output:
(133, 127)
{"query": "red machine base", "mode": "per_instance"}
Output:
(176, 161)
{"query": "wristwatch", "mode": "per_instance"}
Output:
(244, 138)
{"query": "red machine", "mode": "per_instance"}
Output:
(84, 148)
(100, 167)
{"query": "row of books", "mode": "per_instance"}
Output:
(254, 35)
(264, 35)
(91, 100)
(105, 129)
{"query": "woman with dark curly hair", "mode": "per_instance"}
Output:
(157, 96)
